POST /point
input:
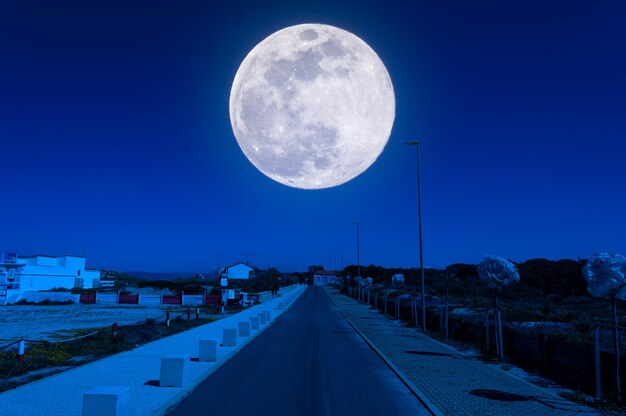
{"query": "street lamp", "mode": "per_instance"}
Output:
(341, 244)
(358, 250)
(419, 222)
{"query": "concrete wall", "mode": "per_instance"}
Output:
(193, 299)
(107, 298)
(91, 278)
(50, 296)
(149, 299)
(37, 281)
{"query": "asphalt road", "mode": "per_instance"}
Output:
(309, 362)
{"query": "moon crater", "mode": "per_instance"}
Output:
(312, 106)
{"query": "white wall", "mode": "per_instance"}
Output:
(34, 282)
(45, 273)
(239, 271)
(90, 278)
(107, 298)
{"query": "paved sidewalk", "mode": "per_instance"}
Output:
(62, 394)
(447, 381)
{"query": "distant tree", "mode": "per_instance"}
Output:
(563, 277)
(265, 280)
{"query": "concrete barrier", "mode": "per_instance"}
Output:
(244, 329)
(207, 350)
(281, 306)
(149, 299)
(106, 298)
(229, 337)
(174, 370)
(268, 316)
(262, 318)
(193, 299)
(254, 323)
(107, 401)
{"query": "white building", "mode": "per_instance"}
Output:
(19, 274)
(237, 271)
(323, 277)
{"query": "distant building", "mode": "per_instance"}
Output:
(237, 271)
(319, 276)
(19, 274)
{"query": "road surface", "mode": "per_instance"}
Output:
(309, 362)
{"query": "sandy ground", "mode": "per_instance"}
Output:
(57, 322)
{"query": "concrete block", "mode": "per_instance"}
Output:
(174, 370)
(254, 323)
(229, 337)
(262, 318)
(244, 329)
(107, 401)
(207, 351)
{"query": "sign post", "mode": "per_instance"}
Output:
(224, 285)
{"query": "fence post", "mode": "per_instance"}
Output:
(20, 350)
(617, 353)
(167, 317)
(95, 298)
(501, 339)
(117, 299)
(445, 321)
(545, 357)
(398, 307)
(596, 362)
(487, 340)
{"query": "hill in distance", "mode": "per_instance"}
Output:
(170, 276)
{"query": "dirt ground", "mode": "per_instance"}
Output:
(60, 321)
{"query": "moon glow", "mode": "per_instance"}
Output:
(312, 106)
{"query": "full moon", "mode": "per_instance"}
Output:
(312, 106)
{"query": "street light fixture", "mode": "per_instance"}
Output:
(419, 222)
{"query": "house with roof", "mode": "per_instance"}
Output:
(20, 274)
(319, 276)
(237, 271)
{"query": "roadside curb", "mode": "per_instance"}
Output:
(191, 386)
(420, 396)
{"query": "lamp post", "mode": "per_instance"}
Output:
(341, 245)
(358, 250)
(419, 222)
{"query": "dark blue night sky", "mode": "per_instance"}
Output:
(116, 139)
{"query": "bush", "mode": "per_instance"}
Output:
(9, 366)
